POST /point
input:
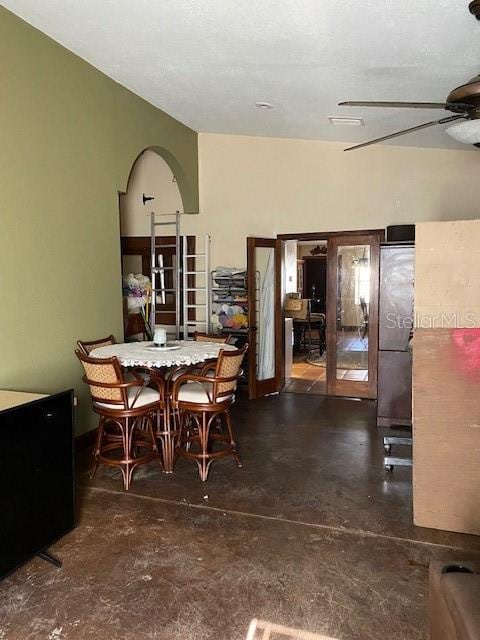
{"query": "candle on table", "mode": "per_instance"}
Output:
(160, 338)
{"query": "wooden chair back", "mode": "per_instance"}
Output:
(205, 337)
(227, 371)
(105, 379)
(86, 347)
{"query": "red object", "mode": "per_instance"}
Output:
(466, 352)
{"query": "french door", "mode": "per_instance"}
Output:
(265, 326)
(352, 315)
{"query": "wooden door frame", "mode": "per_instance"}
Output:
(258, 388)
(349, 387)
(325, 235)
(322, 236)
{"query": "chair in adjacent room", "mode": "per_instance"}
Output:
(363, 328)
(201, 405)
(128, 411)
(205, 337)
(86, 347)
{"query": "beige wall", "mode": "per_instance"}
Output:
(290, 249)
(265, 186)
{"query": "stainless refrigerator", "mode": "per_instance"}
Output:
(394, 400)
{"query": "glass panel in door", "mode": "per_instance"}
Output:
(264, 332)
(265, 312)
(353, 302)
(352, 315)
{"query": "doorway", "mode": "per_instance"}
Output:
(330, 313)
(305, 318)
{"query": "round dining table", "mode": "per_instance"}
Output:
(177, 354)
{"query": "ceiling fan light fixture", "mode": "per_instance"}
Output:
(467, 131)
(474, 8)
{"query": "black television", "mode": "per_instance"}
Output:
(37, 492)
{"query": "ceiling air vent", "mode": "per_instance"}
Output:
(346, 122)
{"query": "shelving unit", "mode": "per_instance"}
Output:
(196, 289)
(231, 290)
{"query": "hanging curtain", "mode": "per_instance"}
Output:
(266, 354)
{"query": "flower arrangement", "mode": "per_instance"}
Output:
(137, 285)
(137, 288)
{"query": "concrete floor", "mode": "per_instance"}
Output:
(309, 534)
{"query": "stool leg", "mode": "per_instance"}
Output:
(169, 439)
(219, 422)
(124, 464)
(203, 435)
(232, 440)
(126, 467)
(96, 450)
(159, 435)
(185, 427)
(166, 434)
(149, 422)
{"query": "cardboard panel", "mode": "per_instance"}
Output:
(446, 409)
(447, 264)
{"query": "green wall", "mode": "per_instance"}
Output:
(69, 138)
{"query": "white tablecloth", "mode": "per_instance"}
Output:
(138, 354)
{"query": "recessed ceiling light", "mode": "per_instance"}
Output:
(346, 122)
(264, 105)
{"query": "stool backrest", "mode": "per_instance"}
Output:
(86, 347)
(204, 337)
(228, 367)
(104, 375)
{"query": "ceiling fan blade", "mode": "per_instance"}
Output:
(404, 131)
(453, 106)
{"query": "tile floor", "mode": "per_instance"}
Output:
(311, 378)
(306, 378)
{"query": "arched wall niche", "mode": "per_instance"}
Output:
(157, 174)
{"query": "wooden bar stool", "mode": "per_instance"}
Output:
(128, 410)
(201, 404)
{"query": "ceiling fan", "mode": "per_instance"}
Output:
(463, 102)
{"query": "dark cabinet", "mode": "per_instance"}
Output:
(315, 282)
(37, 502)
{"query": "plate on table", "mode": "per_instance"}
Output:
(170, 346)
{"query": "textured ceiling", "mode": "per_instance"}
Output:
(207, 62)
